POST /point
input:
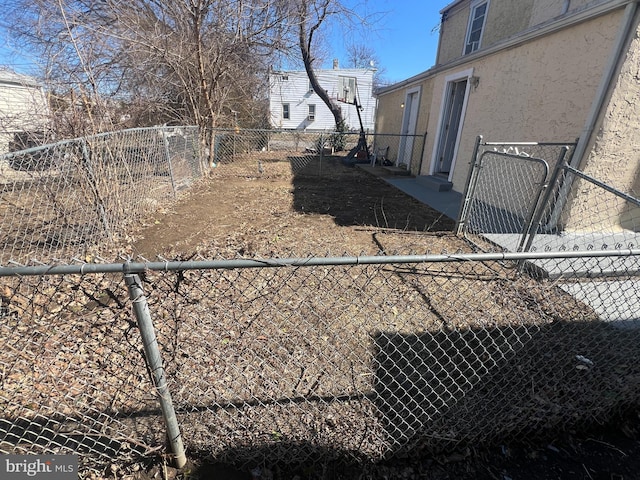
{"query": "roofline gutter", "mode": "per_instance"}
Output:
(541, 30)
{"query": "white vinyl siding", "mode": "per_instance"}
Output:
(297, 94)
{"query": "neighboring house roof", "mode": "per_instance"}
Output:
(10, 77)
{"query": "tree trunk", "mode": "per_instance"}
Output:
(305, 40)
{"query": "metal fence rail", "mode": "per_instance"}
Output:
(514, 202)
(301, 147)
(306, 360)
(59, 200)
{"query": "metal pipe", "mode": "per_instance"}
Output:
(604, 186)
(464, 205)
(154, 361)
(139, 267)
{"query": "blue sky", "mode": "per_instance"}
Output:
(403, 38)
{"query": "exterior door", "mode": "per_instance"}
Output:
(409, 121)
(451, 126)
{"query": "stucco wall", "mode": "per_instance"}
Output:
(539, 91)
(452, 34)
(615, 156)
(545, 10)
(505, 19)
(390, 116)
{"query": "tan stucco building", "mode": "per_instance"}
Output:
(526, 70)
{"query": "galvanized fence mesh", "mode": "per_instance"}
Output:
(299, 148)
(309, 360)
(72, 375)
(59, 200)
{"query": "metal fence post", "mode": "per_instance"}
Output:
(168, 155)
(469, 188)
(545, 201)
(154, 361)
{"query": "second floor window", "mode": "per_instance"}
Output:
(477, 20)
(286, 115)
(312, 113)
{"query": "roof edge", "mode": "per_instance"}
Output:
(525, 36)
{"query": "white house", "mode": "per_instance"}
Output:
(23, 107)
(294, 105)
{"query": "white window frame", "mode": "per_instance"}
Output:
(286, 111)
(472, 13)
(312, 112)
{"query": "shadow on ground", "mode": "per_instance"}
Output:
(326, 186)
(529, 402)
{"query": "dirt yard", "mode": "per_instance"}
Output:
(266, 207)
(304, 208)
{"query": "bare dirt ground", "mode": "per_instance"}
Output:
(304, 207)
(298, 208)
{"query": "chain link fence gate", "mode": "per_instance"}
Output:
(504, 189)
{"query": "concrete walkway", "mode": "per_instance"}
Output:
(615, 301)
(445, 202)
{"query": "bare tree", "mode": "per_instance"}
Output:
(141, 62)
(310, 16)
(360, 55)
(163, 60)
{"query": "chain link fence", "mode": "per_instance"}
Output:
(312, 360)
(59, 200)
(504, 189)
(300, 147)
(306, 361)
(514, 202)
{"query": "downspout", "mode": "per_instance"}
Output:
(580, 153)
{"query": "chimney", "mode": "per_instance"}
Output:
(336, 65)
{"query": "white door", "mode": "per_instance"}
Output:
(409, 123)
(455, 96)
(451, 126)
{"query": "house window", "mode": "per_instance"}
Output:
(284, 78)
(477, 20)
(286, 114)
(312, 113)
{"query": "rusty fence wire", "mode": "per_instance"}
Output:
(59, 200)
(309, 360)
